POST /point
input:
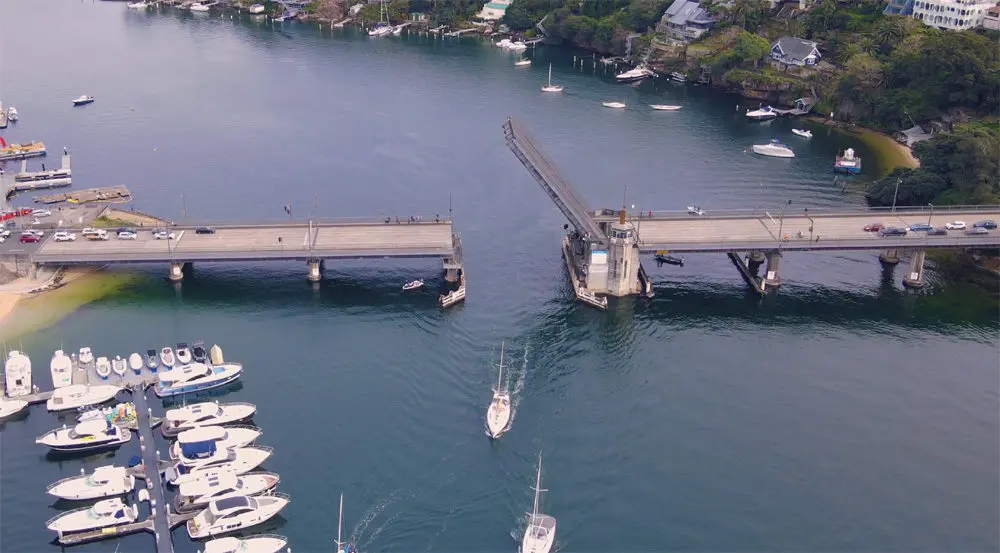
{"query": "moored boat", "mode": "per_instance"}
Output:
(75, 396)
(664, 107)
(183, 353)
(135, 363)
(152, 361)
(198, 352)
(17, 374)
(552, 87)
(102, 367)
(763, 113)
(234, 514)
(167, 358)
(774, 148)
(196, 377)
(207, 413)
(639, 73)
(678, 77)
(261, 543)
(105, 481)
(668, 259)
(695, 210)
(220, 484)
(119, 366)
(83, 100)
(11, 407)
(107, 512)
(240, 460)
(85, 436)
(256, 9)
(86, 356)
(20, 151)
(614, 105)
(12, 115)
(192, 443)
(847, 163)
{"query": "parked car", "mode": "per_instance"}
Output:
(41, 213)
(36, 232)
(4, 233)
(955, 225)
(87, 231)
(892, 231)
(874, 227)
(63, 236)
(920, 227)
(162, 234)
(977, 231)
(986, 224)
(937, 232)
(204, 230)
(97, 234)
(127, 235)
(29, 237)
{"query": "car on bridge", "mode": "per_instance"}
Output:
(892, 231)
(127, 235)
(937, 232)
(955, 225)
(977, 231)
(986, 224)
(204, 230)
(874, 227)
(163, 234)
(63, 236)
(28, 237)
(42, 213)
(920, 227)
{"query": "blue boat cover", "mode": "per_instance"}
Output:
(134, 461)
(198, 449)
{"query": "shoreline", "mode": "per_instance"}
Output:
(16, 291)
(890, 154)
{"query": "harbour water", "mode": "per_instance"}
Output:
(840, 414)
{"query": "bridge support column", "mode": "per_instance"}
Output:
(451, 275)
(915, 277)
(176, 272)
(315, 273)
(771, 278)
(889, 256)
(754, 260)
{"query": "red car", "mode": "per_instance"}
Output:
(28, 237)
(874, 227)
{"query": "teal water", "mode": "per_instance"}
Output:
(842, 414)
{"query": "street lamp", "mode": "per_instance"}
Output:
(931, 215)
(894, 193)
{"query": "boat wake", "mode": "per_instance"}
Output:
(361, 528)
(517, 387)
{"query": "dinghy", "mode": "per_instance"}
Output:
(413, 285)
(119, 365)
(183, 353)
(615, 105)
(135, 363)
(805, 133)
(167, 357)
(664, 107)
(151, 361)
(103, 367)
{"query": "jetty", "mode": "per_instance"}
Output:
(107, 194)
(26, 181)
(342, 23)
(460, 32)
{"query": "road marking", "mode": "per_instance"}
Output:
(763, 224)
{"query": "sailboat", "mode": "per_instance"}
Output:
(498, 413)
(522, 61)
(541, 531)
(550, 87)
(342, 547)
(383, 27)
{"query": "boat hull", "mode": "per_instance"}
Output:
(11, 407)
(169, 391)
(767, 152)
(89, 446)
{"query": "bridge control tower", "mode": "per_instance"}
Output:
(602, 257)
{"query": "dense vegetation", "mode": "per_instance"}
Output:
(599, 25)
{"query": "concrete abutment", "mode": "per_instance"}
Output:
(915, 276)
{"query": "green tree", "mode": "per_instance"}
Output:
(750, 47)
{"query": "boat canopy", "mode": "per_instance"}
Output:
(202, 434)
(107, 473)
(198, 449)
(230, 503)
(223, 545)
(218, 480)
(92, 427)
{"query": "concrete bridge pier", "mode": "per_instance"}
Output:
(316, 267)
(176, 272)
(915, 277)
(889, 256)
(772, 279)
(754, 260)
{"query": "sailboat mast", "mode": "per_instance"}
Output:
(538, 488)
(340, 522)
(500, 376)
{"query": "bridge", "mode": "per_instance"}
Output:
(602, 249)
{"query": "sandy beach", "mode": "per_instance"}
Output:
(14, 291)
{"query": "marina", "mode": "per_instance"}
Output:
(27, 181)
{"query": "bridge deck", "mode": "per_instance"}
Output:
(684, 233)
(263, 242)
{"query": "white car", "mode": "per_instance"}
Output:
(127, 235)
(163, 235)
(63, 236)
(4, 233)
(38, 233)
(41, 213)
(955, 225)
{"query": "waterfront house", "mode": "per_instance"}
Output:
(792, 50)
(953, 15)
(991, 20)
(685, 20)
(494, 10)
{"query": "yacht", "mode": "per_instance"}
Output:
(541, 531)
(105, 481)
(774, 148)
(342, 546)
(235, 513)
(167, 358)
(763, 113)
(209, 413)
(103, 367)
(119, 365)
(17, 371)
(382, 28)
(83, 100)
(847, 163)
(107, 512)
(198, 7)
(498, 413)
(190, 442)
(61, 368)
(86, 356)
(183, 353)
(85, 436)
(196, 377)
(11, 407)
(804, 133)
(75, 396)
(262, 543)
(615, 105)
(197, 494)
(639, 73)
(152, 362)
(551, 87)
(198, 352)
(135, 363)
(664, 107)
(240, 460)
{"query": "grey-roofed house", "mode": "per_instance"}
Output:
(795, 51)
(685, 20)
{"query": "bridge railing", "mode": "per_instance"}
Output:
(794, 210)
(52, 222)
(792, 240)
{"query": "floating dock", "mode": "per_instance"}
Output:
(107, 194)
(22, 151)
(26, 181)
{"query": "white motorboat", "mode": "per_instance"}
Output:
(522, 62)
(664, 107)
(639, 73)
(85, 436)
(342, 546)
(541, 531)
(413, 285)
(194, 442)
(86, 356)
(615, 105)
(498, 413)
(220, 484)
(61, 367)
(261, 543)
(198, 352)
(695, 210)
(75, 396)
(138, 5)
(235, 514)
(774, 148)
(17, 373)
(198, 7)
(240, 460)
(196, 377)
(3, 117)
(83, 100)
(12, 114)
(103, 367)
(256, 9)
(183, 353)
(135, 363)
(678, 77)
(208, 413)
(763, 113)
(11, 407)
(152, 361)
(119, 365)
(551, 87)
(167, 358)
(105, 481)
(805, 133)
(107, 512)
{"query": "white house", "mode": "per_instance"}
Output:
(685, 20)
(992, 19)
(952, 15)
(494, 10)
(795, 51)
